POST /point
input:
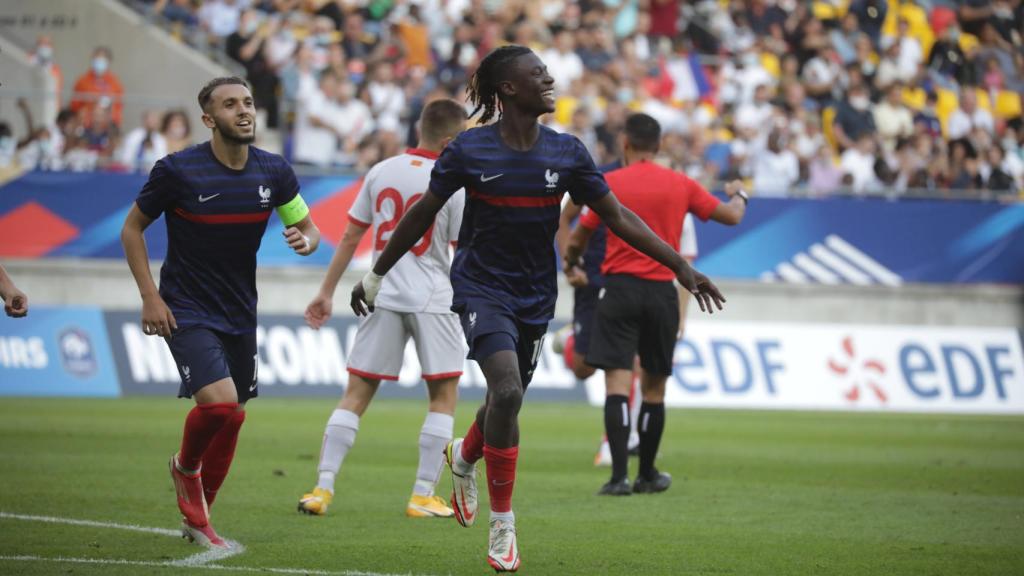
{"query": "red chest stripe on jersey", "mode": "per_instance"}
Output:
(247, 218)
(517, 201)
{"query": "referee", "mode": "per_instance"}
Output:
(638, 311)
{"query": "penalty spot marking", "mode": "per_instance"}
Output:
(202, 560)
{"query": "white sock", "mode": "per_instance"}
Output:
(339, 436)
(460, 465)
(503, 516)
(434, 436)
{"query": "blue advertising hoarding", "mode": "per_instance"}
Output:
(56, 352)
(831, 241)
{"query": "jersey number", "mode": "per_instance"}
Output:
(396, 199)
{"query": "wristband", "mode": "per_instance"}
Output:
(371, 286)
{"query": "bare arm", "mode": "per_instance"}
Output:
(157, 318)
(575, 245)
(320, 308)
(731, 213)
(626, 225)
(410, 229)
(569, 213)
(15, 301)
(303, 237)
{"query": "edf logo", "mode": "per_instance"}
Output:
(967, 373)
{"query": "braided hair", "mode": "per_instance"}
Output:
(483, 86)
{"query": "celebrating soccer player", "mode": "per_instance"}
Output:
(216, 198)
(515, 172)
(415, 300)
(639, 313)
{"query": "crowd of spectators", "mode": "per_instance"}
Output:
(86, 134)
(815, 98)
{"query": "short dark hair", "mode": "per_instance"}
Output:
(207, 92)
(442, 118)
(643, 132)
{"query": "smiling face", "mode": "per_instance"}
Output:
(528, 86)
(232, 113)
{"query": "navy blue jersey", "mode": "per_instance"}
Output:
(506, 245)
(216, 217)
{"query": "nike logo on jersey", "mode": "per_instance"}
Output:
(253, 387)
(484, 178)
(206, 198)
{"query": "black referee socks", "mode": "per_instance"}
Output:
(650, 426)
(616, 428)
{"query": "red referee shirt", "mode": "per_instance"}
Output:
(661, 198)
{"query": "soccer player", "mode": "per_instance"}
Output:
(639, 311)
(15, 301)
(515, 172)
(404, 309)
(216, 197)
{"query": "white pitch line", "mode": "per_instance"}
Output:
(209, 555)
(100, 561)
(91, 523)
(195, 561)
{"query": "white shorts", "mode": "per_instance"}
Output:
(379, 346)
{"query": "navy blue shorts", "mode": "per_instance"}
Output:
(205, 356)
(482, 316)
(584, 308)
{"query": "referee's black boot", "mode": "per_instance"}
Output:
(616, 488)
(657, 482)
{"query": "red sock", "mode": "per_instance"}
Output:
(473, 444)
(501, 476)
(569, 351)
(201, 425)
(220, 453)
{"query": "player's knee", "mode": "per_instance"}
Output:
(507, 398)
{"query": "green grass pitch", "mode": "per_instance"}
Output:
(775, 493)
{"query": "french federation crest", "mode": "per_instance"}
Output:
(552, 178)
(76, 352)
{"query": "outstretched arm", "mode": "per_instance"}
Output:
(410, 229)
(626, 225)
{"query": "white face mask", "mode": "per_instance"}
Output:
(44, 53)
(859, 102)
(100, 65)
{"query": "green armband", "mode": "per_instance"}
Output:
(294, 211)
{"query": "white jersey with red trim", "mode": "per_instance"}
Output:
(419, 281)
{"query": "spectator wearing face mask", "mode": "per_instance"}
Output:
(42, 56)
(98, 87)
(854, 117)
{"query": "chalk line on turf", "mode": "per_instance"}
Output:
(116, 562)
(201, 560)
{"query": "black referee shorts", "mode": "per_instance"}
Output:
(635, 317)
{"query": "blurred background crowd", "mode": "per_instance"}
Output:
(795, 97)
